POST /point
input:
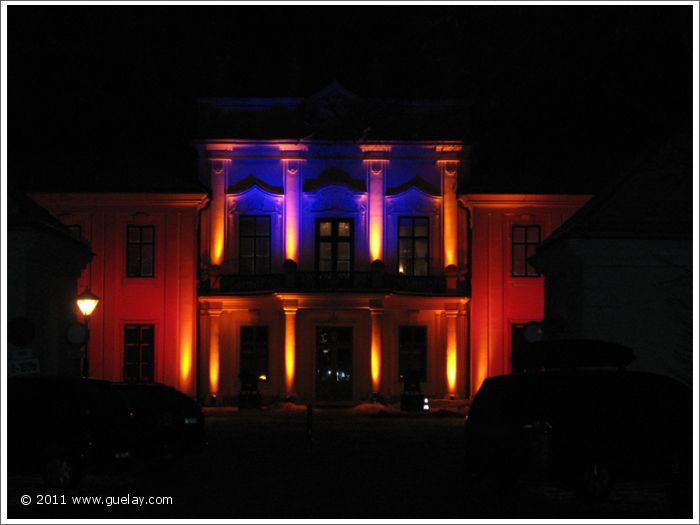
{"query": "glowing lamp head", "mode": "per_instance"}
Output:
(87, 302)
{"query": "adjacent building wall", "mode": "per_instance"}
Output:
(499, 300)
(168, 300)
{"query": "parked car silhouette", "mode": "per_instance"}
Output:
(583, 427)
(166, 422)
(63, 427)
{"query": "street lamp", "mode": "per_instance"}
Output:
(87, 302)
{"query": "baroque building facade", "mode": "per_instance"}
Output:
(328, 267)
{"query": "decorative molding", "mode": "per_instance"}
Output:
(366, 148)
(250, 181)
(217, 166)
(255, 199)
(451, 167)
(443, 148)
(412, 201)
(376, 167)
(335, 198)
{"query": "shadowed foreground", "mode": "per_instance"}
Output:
(259, 464)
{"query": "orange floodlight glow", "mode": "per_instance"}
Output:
(376, 351)
(291, 239)
(214, 357)
(375, 240)
(450, 233)
(376, 208)
(482, 365)
(289, 348)
(451, 354)
(185, 356)
(291, 213)
(217, 218)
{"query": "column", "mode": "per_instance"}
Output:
(218, 168)
(292, 193)
(290, 318)
(451, 311)
(214, 359)
(377, 312)
(375, 187)
(449, 202)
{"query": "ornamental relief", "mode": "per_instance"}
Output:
(413, 201)
(334, 198)
(255, 201)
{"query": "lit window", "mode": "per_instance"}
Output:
(334, 245)
(254, 244)
(140, 251)
(413, 246)
(524, 243)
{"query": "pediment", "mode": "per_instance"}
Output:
(335, 198)
(413, 200)
(255, 200)
(250, 181)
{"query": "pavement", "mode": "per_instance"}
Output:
(370, 461)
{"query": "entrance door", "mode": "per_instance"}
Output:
(334, 363)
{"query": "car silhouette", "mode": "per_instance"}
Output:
(585, 427)
(62, 427)
(166, 423)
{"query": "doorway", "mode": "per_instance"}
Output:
(334, 363)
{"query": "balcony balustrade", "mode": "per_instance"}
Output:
(375, 281)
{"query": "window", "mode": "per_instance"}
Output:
(254, 352)
(334, 245)
(140, 251)
(413, 245)
(76, 230)
(524, 243)
(138, 353)
(413, 347)
(254, 244)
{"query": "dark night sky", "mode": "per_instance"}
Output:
(564, 97)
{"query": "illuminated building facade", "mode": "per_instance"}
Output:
(338, 264)
(327, 267)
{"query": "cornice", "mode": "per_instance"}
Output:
(89, 200)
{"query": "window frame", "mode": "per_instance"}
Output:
(334, 239)
(256, 329)
(255, 237)
(424, 365)
(140, 362)
(413, 238)
(525, 243)
(141, 244)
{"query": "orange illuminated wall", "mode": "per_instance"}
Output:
(499, 299)
(167, 300)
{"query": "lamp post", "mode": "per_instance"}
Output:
(87, 302)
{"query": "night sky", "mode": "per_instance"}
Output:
(564, 98)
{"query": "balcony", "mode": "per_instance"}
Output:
(375, 282)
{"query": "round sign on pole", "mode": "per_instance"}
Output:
(77, 334)
(533, 332)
